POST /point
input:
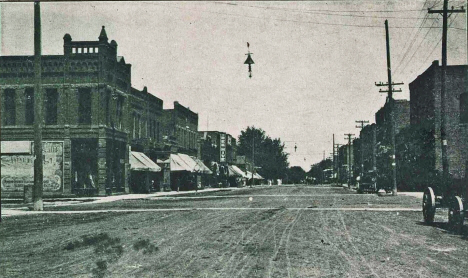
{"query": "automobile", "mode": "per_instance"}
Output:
(367, 183)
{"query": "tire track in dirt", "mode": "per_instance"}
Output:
(281, 245)
(230, 263)
(423, 243)
(351, 263)
(218, 238)
(191, 225)
(350, 241)
(266, 235)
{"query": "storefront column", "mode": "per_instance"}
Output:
(102, 167)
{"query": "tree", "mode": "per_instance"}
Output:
(296, 174)
(267, 153)
(316, 171)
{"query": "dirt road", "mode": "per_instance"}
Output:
(293, 233)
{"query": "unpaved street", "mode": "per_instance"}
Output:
(294, 231)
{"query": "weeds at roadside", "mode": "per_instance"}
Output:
(146, 246)
(106, 248)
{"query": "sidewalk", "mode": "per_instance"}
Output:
(106, 199)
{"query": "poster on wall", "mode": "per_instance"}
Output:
(18, 169)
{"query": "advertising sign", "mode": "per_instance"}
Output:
(222, 147)
(18, 169)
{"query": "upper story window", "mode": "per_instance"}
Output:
(119, 111)
(84, 106)
(10, 107)
(51, 99)
(29, 107)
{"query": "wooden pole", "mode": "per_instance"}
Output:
(38, 113)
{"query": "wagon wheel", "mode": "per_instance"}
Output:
(428, 204)
(456, 213)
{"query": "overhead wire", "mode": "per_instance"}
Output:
(413, 36)
(290, 20)
(436, 45)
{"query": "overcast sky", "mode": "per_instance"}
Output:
(315, 62)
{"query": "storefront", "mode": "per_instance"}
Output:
(145, 175)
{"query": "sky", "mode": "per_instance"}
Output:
(316, 62)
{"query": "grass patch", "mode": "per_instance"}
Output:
(146, 246)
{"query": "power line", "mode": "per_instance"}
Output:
(295, 21)
(319, 12)
(335, 11)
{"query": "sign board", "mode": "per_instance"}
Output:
(222, 147)
(18, 169)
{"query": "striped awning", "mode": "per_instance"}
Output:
(140, 162)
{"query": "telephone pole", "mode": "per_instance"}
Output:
(391, 103)
(349, 160)
(361, 151)
(333, 156)
(38, 159)
(443, 120)
(337, 162)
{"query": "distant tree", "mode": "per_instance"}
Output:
(316, 171)
(268, 153)
(296, 174)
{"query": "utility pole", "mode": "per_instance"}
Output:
(253, 158)
(333, 156)
(361, 145)
(391, 103)
(349, 158)
(337, 165)
(38, 111)
(443, 120)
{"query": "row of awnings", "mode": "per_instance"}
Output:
(182, 162)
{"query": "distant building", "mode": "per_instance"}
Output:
(180, 130)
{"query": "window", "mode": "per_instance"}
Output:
(51, 99)
(79, 50)
(157, 131)
(464, 108)
(134, 125)
(74, 50)
(96, 50)
(85, 50)
(84, 106)
(10, 107)
(91, 49)
(29, 108)
(118, 111)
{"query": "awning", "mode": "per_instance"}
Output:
(235, 172)
(140, 162)
(255, 176)
(239, 171)
(201, 167)
(183, 162)
(258, 177)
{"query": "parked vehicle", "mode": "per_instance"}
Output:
(367, 183)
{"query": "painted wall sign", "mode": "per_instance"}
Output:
(18, 169)
(222, 147)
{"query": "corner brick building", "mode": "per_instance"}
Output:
(92, 117)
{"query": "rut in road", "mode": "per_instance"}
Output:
(282, 247)
(246, 244)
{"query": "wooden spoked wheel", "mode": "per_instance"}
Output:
(428, 204)
(456, 214)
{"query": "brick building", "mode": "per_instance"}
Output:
(180, 130)
(92, 116)
(426, 114)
